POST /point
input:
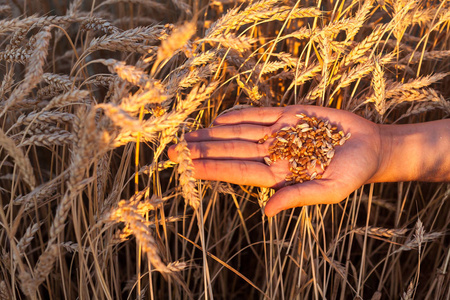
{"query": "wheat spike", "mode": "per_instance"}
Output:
(26, 239)
(408, 294)
(4, 294)
(5, 9)
(98, 24)
(177, 39)
(379, 87)
(34, 69)
(152, 4)
(129, 40)
(30, 283)
(380, 231)
(126, 212)
(186, 171)
(22, 162)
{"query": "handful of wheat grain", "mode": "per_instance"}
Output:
(307, 145)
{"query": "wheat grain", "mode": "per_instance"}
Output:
(307, 145)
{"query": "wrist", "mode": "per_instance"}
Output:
(385, 136)
(414, 152)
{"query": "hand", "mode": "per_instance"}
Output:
(230, 152)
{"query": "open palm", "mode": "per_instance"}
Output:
(230, 152)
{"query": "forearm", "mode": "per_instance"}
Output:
(415, 152)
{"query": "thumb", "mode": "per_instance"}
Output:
(321, 191)
(173, 154)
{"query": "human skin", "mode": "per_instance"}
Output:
(229, 151)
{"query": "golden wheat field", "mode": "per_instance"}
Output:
(93, 92)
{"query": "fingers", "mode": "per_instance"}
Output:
(239, 150)
(257, 115)
(245, 132)
(307, 193)
(234, 171)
